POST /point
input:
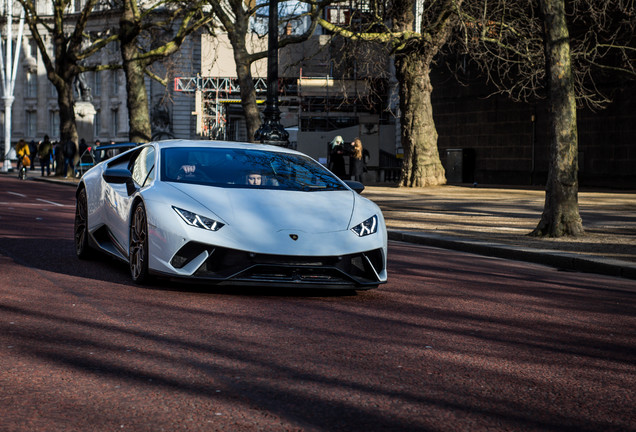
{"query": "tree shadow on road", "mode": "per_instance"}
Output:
(58, 256)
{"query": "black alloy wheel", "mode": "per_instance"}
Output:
(138, 250)
(82, 248)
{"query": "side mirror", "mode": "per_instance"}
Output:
(356, 186)
(120, 176)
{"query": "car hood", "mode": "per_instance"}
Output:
(263, 210)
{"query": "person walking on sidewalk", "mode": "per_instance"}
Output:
(336, 157)
(82, 146)
(356, 162)
(45, 153)
(58, 158)
(33, 151)
(69, 157)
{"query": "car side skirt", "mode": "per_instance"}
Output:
(103, 240)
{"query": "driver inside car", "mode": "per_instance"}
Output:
(254, 179)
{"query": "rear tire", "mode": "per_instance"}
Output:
(82, 248)
(138, 248)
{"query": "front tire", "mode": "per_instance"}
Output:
(138, 250)
(82, 248)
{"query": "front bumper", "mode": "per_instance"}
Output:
(229, 266)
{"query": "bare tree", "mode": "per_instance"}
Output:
(561, 211)
(148, 36)
(414, 40)
(71, 45)
(560, 50)
(145, 36)
(234, 17)
(506, 40)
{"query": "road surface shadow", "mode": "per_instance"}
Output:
(58, 256)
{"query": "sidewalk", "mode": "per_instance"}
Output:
(495, 221)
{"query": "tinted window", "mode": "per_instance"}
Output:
(102, 153)
(245, 168)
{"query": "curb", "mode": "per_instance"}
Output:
(559, 260)
(54, 180)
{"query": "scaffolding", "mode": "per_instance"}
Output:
(321, 102)
(213, 94)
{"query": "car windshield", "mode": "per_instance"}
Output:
(232, 168)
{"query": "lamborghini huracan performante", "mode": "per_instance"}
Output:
(230, 213)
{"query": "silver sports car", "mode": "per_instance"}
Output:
(230, 213)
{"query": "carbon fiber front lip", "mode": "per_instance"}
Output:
(278, 283)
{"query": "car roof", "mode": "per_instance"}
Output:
(222, 144)
(115, 146)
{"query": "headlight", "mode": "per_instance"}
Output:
(198, 221)
(369, 226)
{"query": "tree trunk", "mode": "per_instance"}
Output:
(139, 128)
(68, 127)
(561, 210)
(421, 165)
(246, 83)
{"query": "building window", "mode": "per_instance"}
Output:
(33, 48)
(32, 85)
(52, 90)
(114, 122)
(54, 123)
(97, 123)
(97, 83)
(114, 83)
(31, 123)
(338, 15)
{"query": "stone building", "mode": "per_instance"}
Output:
(35, 111)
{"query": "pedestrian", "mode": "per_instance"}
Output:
(45, 153)
(69, 157)
(82, 149)
(82, 146)
(23, 153)
(336, 157)
(58, 158)
(356, 161)
(33, 150)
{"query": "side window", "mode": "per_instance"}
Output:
(143, 167)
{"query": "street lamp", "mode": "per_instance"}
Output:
(271, 131)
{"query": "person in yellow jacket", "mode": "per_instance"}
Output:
(22, 150)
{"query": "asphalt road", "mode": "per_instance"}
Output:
(453, 342)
